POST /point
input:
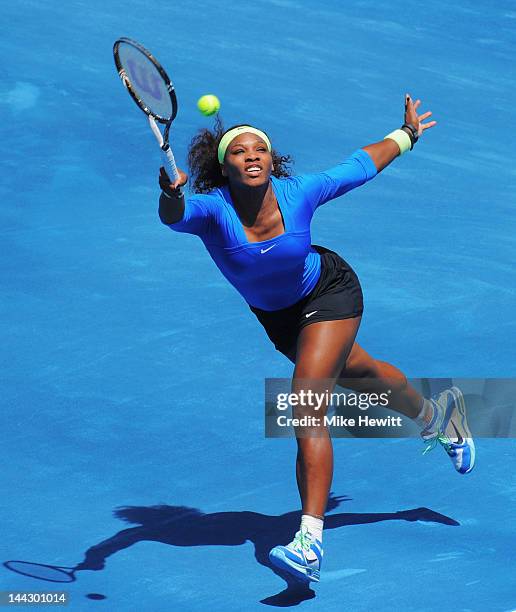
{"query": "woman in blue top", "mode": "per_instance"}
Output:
(254, 219)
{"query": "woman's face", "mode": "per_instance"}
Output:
(248, 161)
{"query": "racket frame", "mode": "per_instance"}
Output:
(153, 117)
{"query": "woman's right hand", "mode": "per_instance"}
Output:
(167, 185)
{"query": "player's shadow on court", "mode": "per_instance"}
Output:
(183, 526)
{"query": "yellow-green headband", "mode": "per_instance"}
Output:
(232, 134)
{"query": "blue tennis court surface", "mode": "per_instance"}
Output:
(132, 374)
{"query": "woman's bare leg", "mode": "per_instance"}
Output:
(371, 375)
(322, 351)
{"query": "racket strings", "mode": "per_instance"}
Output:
(145, 80)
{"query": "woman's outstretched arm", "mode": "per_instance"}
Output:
(384, 152)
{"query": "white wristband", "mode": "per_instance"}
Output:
(402, 139)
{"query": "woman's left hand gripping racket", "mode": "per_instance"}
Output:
(151, 88)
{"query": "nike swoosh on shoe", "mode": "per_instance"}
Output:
(460, 439)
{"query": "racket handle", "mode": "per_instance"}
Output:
(170, 163)
(168, 157)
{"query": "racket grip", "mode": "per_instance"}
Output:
(168, 157)
(170, 163)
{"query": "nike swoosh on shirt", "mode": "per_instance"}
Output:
(311, 313)
(262, 251)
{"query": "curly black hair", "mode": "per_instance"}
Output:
(203, 163)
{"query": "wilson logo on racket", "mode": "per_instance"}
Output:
(150, 83)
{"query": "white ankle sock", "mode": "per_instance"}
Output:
(313, 525)
(426, 414)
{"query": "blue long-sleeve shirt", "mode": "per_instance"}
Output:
(275, 273)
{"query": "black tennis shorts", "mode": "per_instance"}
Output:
(337, 295)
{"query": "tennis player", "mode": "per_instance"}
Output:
(254, 220)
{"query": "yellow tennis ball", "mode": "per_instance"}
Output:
(208, 105)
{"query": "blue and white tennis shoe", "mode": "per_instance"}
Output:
(301, 558)
(449, 427)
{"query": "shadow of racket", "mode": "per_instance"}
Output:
(42, 571)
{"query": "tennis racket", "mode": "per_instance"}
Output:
(42, 571)
(150, 87)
